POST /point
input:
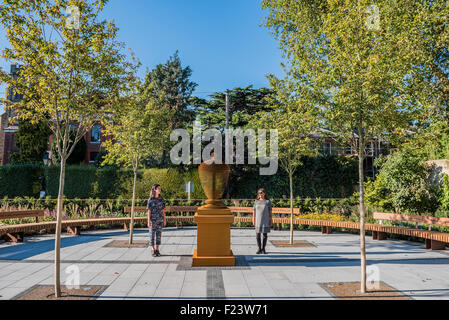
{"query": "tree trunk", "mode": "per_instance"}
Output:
(291, 207)
(133, 204)
(58, 231)
(362, 211)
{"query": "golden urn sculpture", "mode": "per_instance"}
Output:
(214, 219)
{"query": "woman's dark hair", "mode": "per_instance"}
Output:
(264, 192)
(153, 190)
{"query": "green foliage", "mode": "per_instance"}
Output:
(172, 183)
(321, 176)
(170, 83)
(243, 104)
(87, 181)
(32, 142)
(136, 129)
(20, 180)
(403, 185)
(444, 198)
(294, 116)
(71, 75)
(378, 195)
(101, 156)
(326, 177)
(429, 142)
(352, 72)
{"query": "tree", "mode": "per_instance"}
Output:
(243, 104)
(353, 66)
(295, 118)
(72, 70)
(421, 28)
(136, 130)
(170, 84)
(32, 141)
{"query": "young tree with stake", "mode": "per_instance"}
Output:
(295, 119)
(71, 72)
(353, 63)
(136, 130)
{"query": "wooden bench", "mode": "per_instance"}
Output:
(193, 209)
(431, 243)
(176, 209)
(6, 215)
(434, 240)
(274, 210)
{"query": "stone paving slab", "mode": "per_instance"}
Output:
(285, 273)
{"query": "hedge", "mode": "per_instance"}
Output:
(318, 177)
(87, 181)
(325, 177)
(20, 180)
(109, 183)
(172, 183)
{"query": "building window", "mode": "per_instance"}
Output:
(96, 134)
(349, 151)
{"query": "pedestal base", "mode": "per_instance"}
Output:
(213, 261)
(213, 238)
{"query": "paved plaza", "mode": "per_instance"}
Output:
(285, 273)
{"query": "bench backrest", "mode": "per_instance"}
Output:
(416, 219)
(167, 209)
(275, 210)
(5, 215)
(194, 209)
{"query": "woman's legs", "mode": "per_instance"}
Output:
(152, 234)
(265, 239)
(158, 232)
(259, 243)
(156, 235)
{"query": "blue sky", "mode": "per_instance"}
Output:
(221, 40)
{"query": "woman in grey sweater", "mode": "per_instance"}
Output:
(262, 219)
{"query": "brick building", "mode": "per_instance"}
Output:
(8, 129)
(94, 137)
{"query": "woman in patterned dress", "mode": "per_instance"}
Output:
(262, 219)
(156, 218)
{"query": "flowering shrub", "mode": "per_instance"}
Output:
(321, 216)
